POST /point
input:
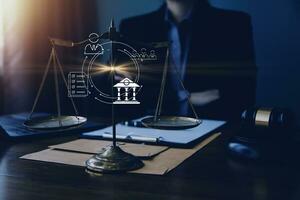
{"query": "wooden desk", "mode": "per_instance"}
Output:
(209, 174)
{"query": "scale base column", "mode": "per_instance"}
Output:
(113, 160)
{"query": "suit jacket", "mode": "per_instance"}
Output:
(221, 57)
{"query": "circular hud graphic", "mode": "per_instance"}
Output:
(117, 60)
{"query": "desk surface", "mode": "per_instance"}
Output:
(209, 174)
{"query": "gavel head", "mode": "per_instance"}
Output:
(267, 120)
(265, 134)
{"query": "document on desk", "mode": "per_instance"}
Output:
(149, 135)
(95, 146)
(161, 164)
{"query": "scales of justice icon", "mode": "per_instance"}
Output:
(111, 159)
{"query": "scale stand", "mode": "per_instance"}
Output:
(171, 122)
(59, 122)
(113, 159)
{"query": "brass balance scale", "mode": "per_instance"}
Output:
(111, 159)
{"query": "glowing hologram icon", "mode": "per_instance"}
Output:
(94, 38)
(93, 47)
(144, 55)
(77, 84)
(98, 67)
(127, 85)
(152, 55)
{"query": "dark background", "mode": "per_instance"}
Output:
(276, 34)
(276, 29)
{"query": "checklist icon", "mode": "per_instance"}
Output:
(77, 83)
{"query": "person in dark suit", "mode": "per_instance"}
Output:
(212, 51)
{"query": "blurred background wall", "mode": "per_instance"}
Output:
(25, 48)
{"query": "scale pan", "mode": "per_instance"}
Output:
(51, 123)
(171, 122)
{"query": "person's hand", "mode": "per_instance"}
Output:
(204, 98)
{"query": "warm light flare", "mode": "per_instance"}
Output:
(99, 68)
(112, 68)
(11, 10)
(11, 14)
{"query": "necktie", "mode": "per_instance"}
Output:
(177, 68)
